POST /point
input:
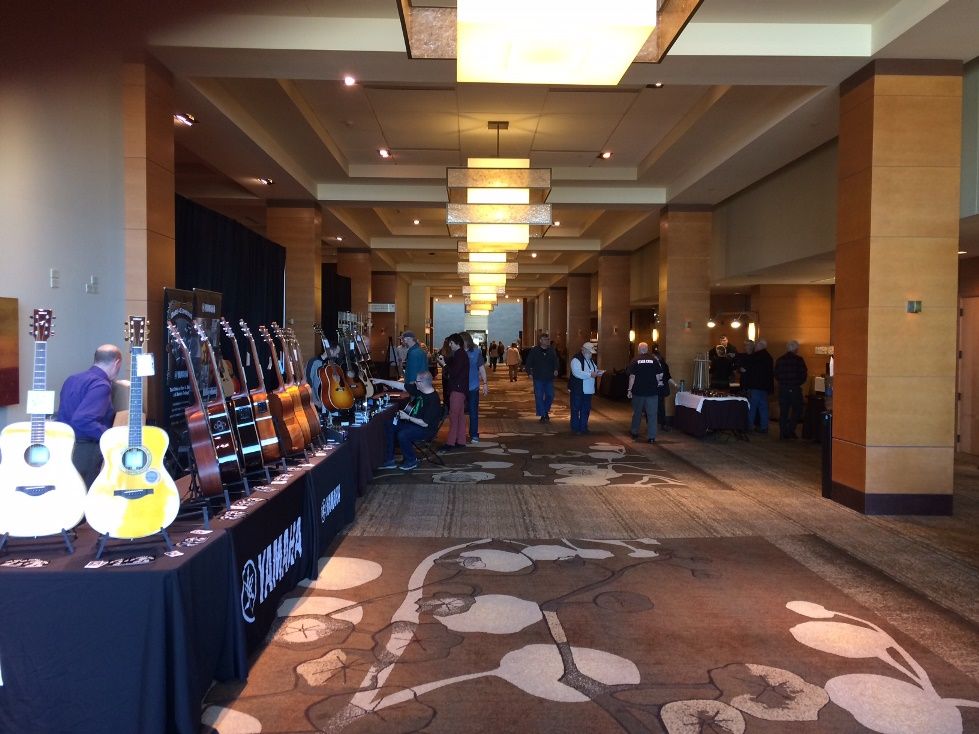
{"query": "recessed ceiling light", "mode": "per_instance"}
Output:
(339, 238)
(657, 85)
(349, 80)
(416, 221)
(557, 223)
(963, 252)
(533, 254)
(450, 295)
(184, 118)
(605, 155)
(436, 300)
(384, 152)
(266, 181)
(506, 296)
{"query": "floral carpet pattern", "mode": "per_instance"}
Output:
(453, 635)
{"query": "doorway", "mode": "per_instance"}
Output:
(968, 387)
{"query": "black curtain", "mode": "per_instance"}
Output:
(336, 298)
(219, 254)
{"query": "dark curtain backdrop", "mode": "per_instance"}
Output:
(336, 298)
(216, 253)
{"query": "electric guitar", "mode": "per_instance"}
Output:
(198, 428)
(41, 492)
(260, 403)
(240, 405)
(305, 391)
(292, 386)
(222, 428)
(133, 496)
(334, 392)
(281, 405)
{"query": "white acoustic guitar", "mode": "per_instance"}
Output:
(133, 496)
(41, 492)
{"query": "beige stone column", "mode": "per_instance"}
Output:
(355, 263)
(557, 317)
(897, 237)
(420, 313)
(298, 227)
(384, 287)
(529, 322)
(613, 310)
(684, 287)
(787, 312)
(579, 310)
(150, 265)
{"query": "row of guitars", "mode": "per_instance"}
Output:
(343, 384)
(233, 435)
(41, 492)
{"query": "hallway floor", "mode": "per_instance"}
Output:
(544, 581)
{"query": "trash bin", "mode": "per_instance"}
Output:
(826, 433)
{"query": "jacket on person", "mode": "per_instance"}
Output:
(512, 356)
(759, 371)
(456, 373)
(415, 361)
(790, 370)
(578, 382)
(542, 363)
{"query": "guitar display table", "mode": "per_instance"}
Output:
(366, 441)
(133, 648)
(698, 415)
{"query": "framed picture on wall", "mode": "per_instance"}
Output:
(9, 352)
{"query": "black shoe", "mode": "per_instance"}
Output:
(547, 418)
(635, 436)
(650, 440)
(541, 419)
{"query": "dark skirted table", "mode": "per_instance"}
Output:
(133, 645)
(367, 442)
(699, 415)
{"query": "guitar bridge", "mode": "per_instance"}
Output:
(132, 494)
(35, 490)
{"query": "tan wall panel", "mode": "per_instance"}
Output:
(857, 96)
(357, 267)
(160, 200)
(849, 463)
(915, 202)
(933, 261)
(850, 341)
(850, 408)
(906, 344)
(898, 126)
(910, 411)
(852, 274)
(906, 470)
(925, 86)
(853, 211)
(855, 151)
(557, 314)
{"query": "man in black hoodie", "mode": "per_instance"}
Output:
(757, 378)
(791, 373)
(542, 365)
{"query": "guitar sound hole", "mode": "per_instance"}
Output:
(37, 455)
(134, 460)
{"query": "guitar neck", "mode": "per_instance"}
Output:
(135, 400)
(40, 383)
(238, 363)
(259, 373)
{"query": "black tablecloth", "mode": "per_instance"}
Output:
(116, 649)
(715, 415)
(367, 445)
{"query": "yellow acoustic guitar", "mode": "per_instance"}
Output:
(41, 492)
(133, 496)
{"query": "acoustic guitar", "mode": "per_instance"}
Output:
(219, 421)
(292, 385)
(363, 363)
(334, 392)
(133, 496)
(356, 385)
(305, 390)
(281, 404)
(240, 407)
(198, 426)
(260, 403)
(41, 492)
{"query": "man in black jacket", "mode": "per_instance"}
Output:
(757, 378)
(542, 366)
(791, 373)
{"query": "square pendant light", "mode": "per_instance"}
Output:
(498, 280)
(467, 247)
(487, 257)
(471, 290)
(579, 42)
(466, 268)
(488, 298)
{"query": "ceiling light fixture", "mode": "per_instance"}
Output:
(266, 181)
(550, 41)
(533, 254)
(416, 222)
(349, 80)
(736, 323)
(494, 279)
(384, 152)
(557, 223)
(338, 238)
(184, 118)
(711, 323)
(657, 85)
(470, 290)
(605, 155)
(467, 268)
(963, 252)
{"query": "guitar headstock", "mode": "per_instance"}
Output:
(228, 330)
(244, 329)
(266, 336)
(137, 329)
(175, 335)
(277, 330)
(41, 321)
(201, 334)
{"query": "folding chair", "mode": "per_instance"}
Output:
(426, 449)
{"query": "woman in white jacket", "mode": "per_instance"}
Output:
(581, 384)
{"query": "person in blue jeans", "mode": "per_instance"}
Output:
(581, 385)
(418, 421)
(477, 376)
(757, 378)
(542, 366)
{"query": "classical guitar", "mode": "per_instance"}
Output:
(351, 376)
(133, 496)
(292, 385)
(281, 404)
(219, 421)
(198, 427)
(334, 392)
(260, 403)
(305, 391)
(41, 492)
(240, 407)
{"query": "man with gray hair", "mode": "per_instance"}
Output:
(791, 373)
(647, 378)
(758, 381)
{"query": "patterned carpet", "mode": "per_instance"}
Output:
(545, 582)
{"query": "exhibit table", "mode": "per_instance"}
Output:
(366, 442)
(699, 415)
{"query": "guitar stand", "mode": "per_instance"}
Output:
(197, 504)
(105, 537)
(65, 537)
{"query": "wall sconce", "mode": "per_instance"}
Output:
(914, 306)
(655, 335)
(632, 335)
(711, 323)
(736, 322)
(752, 331)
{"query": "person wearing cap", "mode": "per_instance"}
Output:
(415, 361)
(581, 385)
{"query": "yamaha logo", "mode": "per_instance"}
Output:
(249, 591)
(259, 576)
(329, 503)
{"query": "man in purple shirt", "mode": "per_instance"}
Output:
(86, 406)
